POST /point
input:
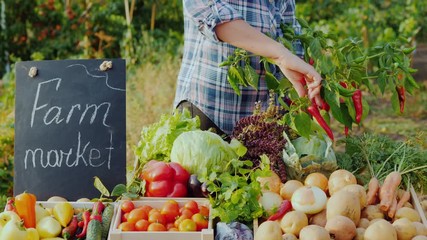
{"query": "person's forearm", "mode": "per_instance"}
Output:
(242, 35)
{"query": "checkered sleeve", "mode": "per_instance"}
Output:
(207, 14)
(288, 14)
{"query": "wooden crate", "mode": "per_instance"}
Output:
(117, 234)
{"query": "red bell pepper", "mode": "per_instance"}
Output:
(165, 179)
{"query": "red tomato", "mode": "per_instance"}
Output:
(200, 220)
(156, 227)
(187, 225)
(159, 188)
(204, 211)
(157, 170)
(137, 214)
(192, 205)
(179, 190)
(127, 226)
(127, 206)
(181, 175)
(171, 210)
(170, 225)
(157, 217)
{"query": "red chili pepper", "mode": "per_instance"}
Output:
(346, 131)
(302, 81)
(86, 220)
(70, 230)
(10, 205)
(314, 111)
(325, 106)
(357, 101)
(311, 61)
(401, 95)
(97, 209)
(343, 84)
(285, 207)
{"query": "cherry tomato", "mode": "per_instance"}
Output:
(187, 225)
(170, 225)
(180, 219)
(181, 175)
(127, 206)
(204, 211)
(146, 208)
(127, 226)
(141, 225)
(200, 220)
(171, 210)
(156, 227)
(125, 217)
(159, 188)
(192, 205)
(157, 217)
(137, 214)
(185, 212)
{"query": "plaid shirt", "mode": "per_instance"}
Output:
(201, 81)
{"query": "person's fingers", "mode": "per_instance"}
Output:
(314, 92)
(299, 88)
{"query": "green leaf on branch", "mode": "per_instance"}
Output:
(101, 188)
(303, 124)
(233, 79)
(118, 190)
(251, 76)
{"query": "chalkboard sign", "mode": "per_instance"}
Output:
(70, 126)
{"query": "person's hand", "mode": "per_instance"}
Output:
(296, 70)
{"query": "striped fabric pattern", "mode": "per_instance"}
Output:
(201, 80)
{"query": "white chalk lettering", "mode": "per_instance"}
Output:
(55, 118)
(95, 111)
(82, 154)
(35, 106)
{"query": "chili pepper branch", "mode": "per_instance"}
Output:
(348, 69)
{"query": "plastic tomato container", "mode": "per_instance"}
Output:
(117, 234)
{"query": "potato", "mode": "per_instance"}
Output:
(314, 232)
(268, 230)
(289, 187)
(319, 219)
(293, 222)
(408, 213)
(345, 204)
(405, 229)
(363, 223)
(408, 204)
(374, 220)
(360, 191)
(419, 237)
(380, 230)
(289, 236)
(339, 179)
(343, 228)
(57, 199)
(360, 232)
(421, 228)
(372, 212)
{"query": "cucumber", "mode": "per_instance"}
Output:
(107, 217)
(94, 230)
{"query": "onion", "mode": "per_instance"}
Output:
(309, 200)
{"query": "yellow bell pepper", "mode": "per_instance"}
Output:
(48, 227)
(7, 216)
(13, 230)
(63, 212)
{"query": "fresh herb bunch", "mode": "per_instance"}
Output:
(262, 133)
(234, 195)
(372, 155)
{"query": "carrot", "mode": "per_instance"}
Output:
(373, 187)
(393, 208)
(388, 190)
(403, 199)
